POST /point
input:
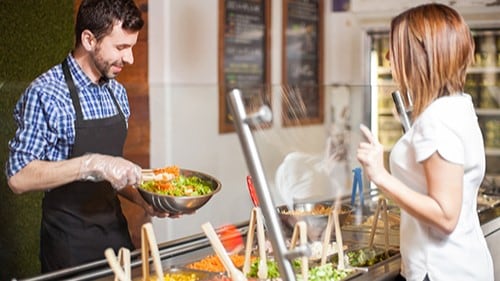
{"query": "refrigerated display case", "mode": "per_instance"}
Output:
(482, 83)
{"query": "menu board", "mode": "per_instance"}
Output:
(302, 62)
(244, 47)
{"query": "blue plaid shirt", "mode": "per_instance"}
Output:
(45, 115)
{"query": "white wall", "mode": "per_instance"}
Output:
(184, 98)
(184, 112)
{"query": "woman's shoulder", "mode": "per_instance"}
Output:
(454, 114)
(449, 109)
(443, 126)
(454, 102)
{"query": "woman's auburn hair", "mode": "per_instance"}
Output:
(431, 47)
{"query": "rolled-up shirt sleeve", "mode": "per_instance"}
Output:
(38, 129)
(45, 115)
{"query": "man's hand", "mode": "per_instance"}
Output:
(116, 170)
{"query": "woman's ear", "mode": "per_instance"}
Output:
(88, 40)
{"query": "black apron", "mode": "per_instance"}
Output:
(82, 219)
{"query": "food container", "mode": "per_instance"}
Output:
(212, 263)
(176, 205)
(366, 257)
(314, 214)
(183, 274)
(316, 271)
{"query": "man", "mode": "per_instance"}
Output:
(72, 125)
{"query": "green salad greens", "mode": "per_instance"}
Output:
(272, 268)
(326, 272)
(366, 256)
(180, 186)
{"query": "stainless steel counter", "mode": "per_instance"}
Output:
(490, 224)
(186, 250)
(180, 252)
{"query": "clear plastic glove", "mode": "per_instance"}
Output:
(116, 170)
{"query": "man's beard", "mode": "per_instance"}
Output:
(104, 67)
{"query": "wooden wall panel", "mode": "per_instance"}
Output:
(135, 79)
(137, 73)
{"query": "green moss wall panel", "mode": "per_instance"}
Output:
(35, 35)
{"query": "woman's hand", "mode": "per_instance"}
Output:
(371, 155)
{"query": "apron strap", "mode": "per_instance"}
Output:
(74, 93)
(72, 90)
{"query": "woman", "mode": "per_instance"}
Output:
(439, 163)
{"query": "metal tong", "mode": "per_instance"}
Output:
(357, 187)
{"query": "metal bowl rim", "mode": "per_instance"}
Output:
(284, 208)
(217, 188)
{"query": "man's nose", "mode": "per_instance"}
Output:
(128, 56)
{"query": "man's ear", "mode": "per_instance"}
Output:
(88, 40)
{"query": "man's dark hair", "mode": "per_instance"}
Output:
(99, 16)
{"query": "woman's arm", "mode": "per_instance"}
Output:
(440, 208)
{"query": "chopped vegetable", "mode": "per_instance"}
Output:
(366, 256)
(326, 272)
(169, 181)
(182, 276)
(212, 263)
(272, 268)
(174, 170)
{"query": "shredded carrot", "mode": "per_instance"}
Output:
(164, 185)
(214, 264)
(174, 170)
(180, 276)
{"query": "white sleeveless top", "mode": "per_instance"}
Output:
(449, 126)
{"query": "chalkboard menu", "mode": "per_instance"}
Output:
(244, 47)
(302, 62)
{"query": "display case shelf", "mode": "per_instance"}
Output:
(482, 70)
(482, 112)
(492, 151)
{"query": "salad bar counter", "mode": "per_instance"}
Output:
(183, 255)
(193, 258)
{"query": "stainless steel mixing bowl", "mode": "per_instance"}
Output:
(314, 214)
(176, 205)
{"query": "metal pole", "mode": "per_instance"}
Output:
(282, 255)
(401, 109)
